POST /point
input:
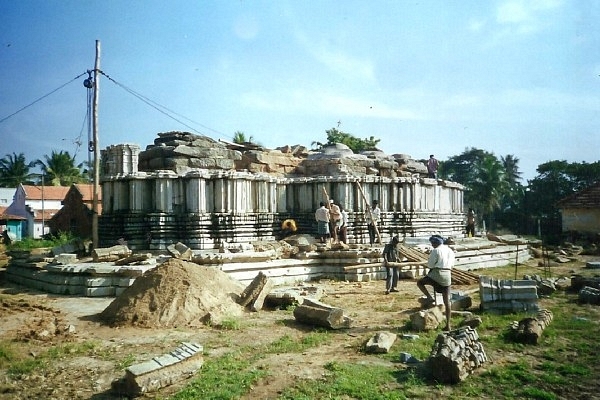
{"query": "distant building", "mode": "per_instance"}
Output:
(580, 212)
(76, 213)
(31, 208)
(6, 198)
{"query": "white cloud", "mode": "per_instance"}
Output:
(476, 25)
(525, 16)
(337, 61)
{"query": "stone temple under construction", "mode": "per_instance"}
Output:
(192, 189)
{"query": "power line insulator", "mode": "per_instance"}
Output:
(88, 83)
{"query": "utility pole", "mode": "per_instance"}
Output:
(95, 207)
(43, 209)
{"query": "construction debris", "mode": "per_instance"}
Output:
(528, 330)
(455, 355)
(109, 254)
(381, 342)
(317, 313)
(256, 292)
(589, 295)
(161, 371)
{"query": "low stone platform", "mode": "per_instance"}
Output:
(101, 279)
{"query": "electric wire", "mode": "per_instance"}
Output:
(157, 106)
(160, 108)
(40, 99)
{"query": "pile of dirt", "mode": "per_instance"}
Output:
(174, 294)
(26, 320)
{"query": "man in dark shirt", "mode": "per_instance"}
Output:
(390, 255)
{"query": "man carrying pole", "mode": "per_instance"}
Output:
(373, 217)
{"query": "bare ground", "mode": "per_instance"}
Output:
(31, 323)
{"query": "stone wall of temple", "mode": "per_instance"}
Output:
(166, 199)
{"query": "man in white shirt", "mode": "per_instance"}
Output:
(373, 221)
(440, 263)
(343, 231)
(322, 217)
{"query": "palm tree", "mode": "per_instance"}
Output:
(60, 169)
(14, 170)
(239, 137)
(511, 170)
(491, 185)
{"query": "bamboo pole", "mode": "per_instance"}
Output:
(368, 208)
(333, 233)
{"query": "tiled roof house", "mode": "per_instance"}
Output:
(580, 211)
(32, 207)
(76, 213)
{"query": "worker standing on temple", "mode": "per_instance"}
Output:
(335, 216)
(322, 217)
(343, 231)
(373, 221)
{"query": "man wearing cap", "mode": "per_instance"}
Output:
(440, 263)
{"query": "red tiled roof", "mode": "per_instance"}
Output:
(48, 214)
(50, 192)
(586, 198)
(87, 193)
(5, 217)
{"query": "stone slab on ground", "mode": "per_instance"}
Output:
(161, 371)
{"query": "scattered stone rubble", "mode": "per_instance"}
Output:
(161, 371)
(505, 295)
(427, 320)
(183, 151)
(316, 313)
(589, 295)
(455, 355)
(381, 342)
(528, 330)
(256, 292)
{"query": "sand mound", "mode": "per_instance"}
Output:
(176, 293)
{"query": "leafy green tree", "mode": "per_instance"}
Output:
(355, 144)
(556, 180)
(60, 169)
(14, 170)
(484, 178)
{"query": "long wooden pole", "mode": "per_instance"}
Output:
(96, 145)
(368, 208)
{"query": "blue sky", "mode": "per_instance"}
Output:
(425, 77)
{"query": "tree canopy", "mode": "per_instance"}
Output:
(491, 184)
(14, 170)
(60, 170)
(355, 144)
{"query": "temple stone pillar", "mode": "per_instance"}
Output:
(121, 159)
(163, 191)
